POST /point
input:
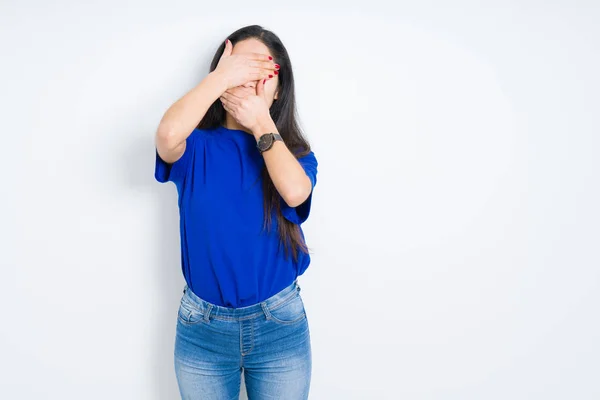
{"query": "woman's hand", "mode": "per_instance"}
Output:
(247, 108)
(238, 69)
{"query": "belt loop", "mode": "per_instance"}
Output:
(207, 312)
(265, 309)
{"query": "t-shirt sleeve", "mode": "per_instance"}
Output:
(300, 213)
(174, 172)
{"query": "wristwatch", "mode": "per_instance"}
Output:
(265, 142)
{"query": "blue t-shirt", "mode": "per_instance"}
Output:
(226, 256)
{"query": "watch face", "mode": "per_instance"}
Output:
(265, 142)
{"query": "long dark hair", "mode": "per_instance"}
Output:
(283, 112)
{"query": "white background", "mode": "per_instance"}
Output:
(454, 228)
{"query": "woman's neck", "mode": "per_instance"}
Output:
(231, 123)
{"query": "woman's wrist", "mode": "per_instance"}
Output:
(264, 126)
(218, 80)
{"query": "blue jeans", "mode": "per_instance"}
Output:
(269, 341)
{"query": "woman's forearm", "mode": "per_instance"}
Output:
(285, 171)
(184, 115)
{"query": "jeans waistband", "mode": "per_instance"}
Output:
(210, 310)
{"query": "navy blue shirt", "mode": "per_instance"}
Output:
(226, 256)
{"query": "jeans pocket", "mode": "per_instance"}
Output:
(188, 313)
(289, 312)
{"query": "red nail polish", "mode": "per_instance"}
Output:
(270, 58)
(277, 66)
(270, 76)
(264, 80)
(276, 72)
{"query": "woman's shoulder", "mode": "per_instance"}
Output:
(204, 131)
(199, 135)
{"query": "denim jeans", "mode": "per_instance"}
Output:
(268, 341)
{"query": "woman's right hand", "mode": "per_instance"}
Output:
(237, 69)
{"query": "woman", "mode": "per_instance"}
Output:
(244, 175)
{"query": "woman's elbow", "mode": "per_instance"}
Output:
(299, 196)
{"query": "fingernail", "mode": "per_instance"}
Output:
(270, 76)
(277, 66)
(276, 72)
(264, 80)
(270, 58)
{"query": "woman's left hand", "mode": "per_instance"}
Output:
(247, 106)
